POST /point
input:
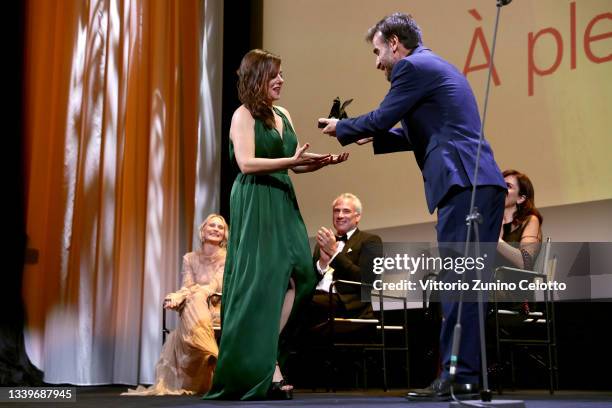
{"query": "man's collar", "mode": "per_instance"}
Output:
(418, 49)
(350, 233)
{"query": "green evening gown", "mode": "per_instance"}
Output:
(268, 244)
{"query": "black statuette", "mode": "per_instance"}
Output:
(338, 110)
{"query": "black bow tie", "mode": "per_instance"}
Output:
(342, 238)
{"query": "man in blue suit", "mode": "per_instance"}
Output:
(440, 123)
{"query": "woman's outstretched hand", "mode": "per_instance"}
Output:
(305, 162)
(302, 158)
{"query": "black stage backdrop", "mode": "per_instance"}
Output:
(15, 367)
(242, 31)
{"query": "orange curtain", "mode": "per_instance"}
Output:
(114, 134)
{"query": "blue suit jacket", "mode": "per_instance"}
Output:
(440, 123)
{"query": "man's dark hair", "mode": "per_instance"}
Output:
(399, 24)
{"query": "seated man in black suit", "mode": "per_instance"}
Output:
(346, 254)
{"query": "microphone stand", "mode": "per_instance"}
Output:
(473, 219)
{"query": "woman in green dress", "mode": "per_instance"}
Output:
(268, 271)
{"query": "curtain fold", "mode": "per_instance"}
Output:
(116, 126)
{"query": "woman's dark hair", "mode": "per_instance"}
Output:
(527, 208)
(256, 70)
(399, 24)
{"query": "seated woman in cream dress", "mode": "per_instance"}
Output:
(189, 356)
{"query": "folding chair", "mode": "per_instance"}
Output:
(529, 330)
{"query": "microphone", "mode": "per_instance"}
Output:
(455, 352)
(502, 3)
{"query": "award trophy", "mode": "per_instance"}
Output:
(337, 111)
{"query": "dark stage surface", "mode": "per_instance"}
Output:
(108, 396)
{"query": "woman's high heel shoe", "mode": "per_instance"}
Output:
(276, 391)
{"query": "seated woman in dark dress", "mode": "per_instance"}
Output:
(520, 237)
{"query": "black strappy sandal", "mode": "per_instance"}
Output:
(276, 391)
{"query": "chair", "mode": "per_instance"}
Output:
(211, 300)
(376, 326)
(528, 329)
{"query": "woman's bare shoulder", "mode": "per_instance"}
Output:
(242, 114)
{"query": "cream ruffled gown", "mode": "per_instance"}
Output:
(189, 356)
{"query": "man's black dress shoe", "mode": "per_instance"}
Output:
(439, 390)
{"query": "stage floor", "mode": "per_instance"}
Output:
(108, 396)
